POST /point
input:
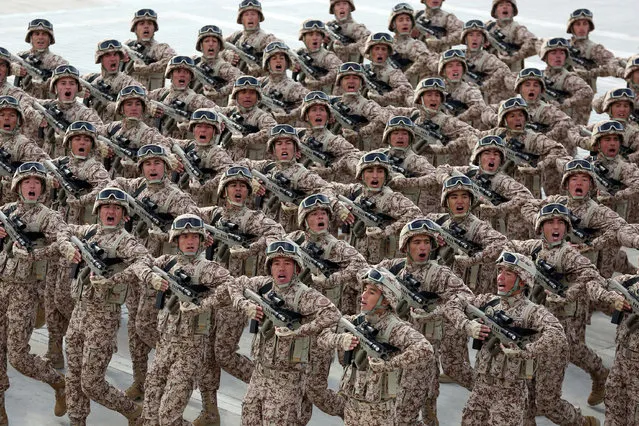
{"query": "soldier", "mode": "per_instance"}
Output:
(312, 34)
(236, 185)
(65, 85)
(584, 287)
(589, 59)
(337, 283)
(40, 36)
(244, 110)
(576, 102)
(371, 384)
(446, 26)
(342, 155)
(89, 177)
(148, 58)
(413, 56)
(493, 76)
(417, 241)
(178, 96)
(281, 354)
(96, 316)
(363, 135)
(462, 100)
(111, 56)
(152, 189)
(505, 29)
(630, 73)
(500, 391)
(251, 39)
(184, 325)
(345, 26)
(620, 104)
(395, 87)
(211, 42)
(278, 86)
(23, 271)
(392, 208)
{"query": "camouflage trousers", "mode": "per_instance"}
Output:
(419, 391)
(17, 319)
(622, 389)
(496, 402)
(172, 378)
(317, 391)
(58, 302)
(580, 354)
(454, 356)
(90, 346)
(141, 328)
(357, 413)
(273, 398)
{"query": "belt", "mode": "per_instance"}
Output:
(502, 383)
(271, 373)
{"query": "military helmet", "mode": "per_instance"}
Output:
(249, 5)
(40, 24)
(107, 46)
(372, 159)
(631, 66)
(149, 151)
(618, 95)
(580, 14)
(9, 102)
(205, 116)
(6, 57)
(312, 25)
(379, 38)
(486, 143)
(520, 264)
(280, 131)
(271, 49)
(398, 123)
(131, 92)
(62, 71)
(333, 2)
(510, 105)
(551, 211)
(310, 204)
(530, 74)
(79, 128)
(177, 62)
(315, 97)
(187, 224)
(577, 166)
(384, 281)
(349, 68)
(496, 2)
(283, 248)
(400, 9)
(247, 82)
(457, 183)
(27, 170)
(417, 227)
(605, 128)
(144, 15)
(209, 31)
(427, 84)
(473, 25)
(110, 195)
(232, 174)
(451, 55)
(556, 43)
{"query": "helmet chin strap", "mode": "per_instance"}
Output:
(246, 110)
(231, 202)
(156, 181)
(552, 244)
(510, 292)
(505, 21)
(377, 306)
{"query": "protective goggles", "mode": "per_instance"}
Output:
(247, 3)
(457, 180)
(151, 150)
(316, 95)
(508, 257)
(4, 52)
(421, 224)
(635, 62)
(204, 115)
(247, 81)
(382, 37)
(554, 208)
(66, 69)
(403, 7)
(609, 126)
(474, 24)
(623, 93)
(286, 129)
(81, 126)
(531, 72)
(182, 60)
(281, 247)
(375, 157)
(183, 223)
(130, 90)
(432, 83)
(146, 13)
(557, 42)
(350, 66)
(275, 45)
(491, 140)
(116, 194)
(315, 199)
(515, 103)
(238, 170)
(40, 23)
(109, 44)
(581, 13)
(313, 24)
(213, 30)
(454, 53)
(30, 167)
(400, 121)
(580, 164)
(374, 275)
(9, 101)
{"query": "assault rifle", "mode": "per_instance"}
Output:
(375, 83)
(501, 329)
(137, 53)
(273, 307)
(514, 150)
(176, 110)
(235, 123)
(280, 186)
(396, 165)
(14, 228)
(497, 40)
(555, 94)
(92, 255)
(274, 100)
(246, 53)
(364, 210)
(481, 184)
(102, 91)
(311, 256)
(226, 233)
(454, 237)
(7, 169)
(400, 62)
(65, 178)
(428, 133)
(32, 65)
(306, 65)
(537, 127)
(631, 297)
(334, 31)
(204, 74)
(634, 116)
(190, 160)
(610, 185)
(549, 279)
(474, 76)
(366, 335)
(311, 148)
(586, 235)
(455, 106)
(120, 147)
(144, 210)
(426, 27)
(180, 289)
(577, 58)
(54, 117)
(342, 114)
(410, 289)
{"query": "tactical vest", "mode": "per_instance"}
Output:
(559, 306)
(388, 246)
(334, 294)
(471, 275)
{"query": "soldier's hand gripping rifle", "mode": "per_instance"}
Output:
(246, 53)
(426, 27)
(190, 160)
(32, 65)
(474, 76)
(311, 256)
(585, 235)
(335, 33)
(579, 59)
(273, 308)
(409, 287)
(305, 62)
(54, 117)
(275, 100)
(204, 74)
(454, 237)
(7, 169)
(631, 296)
(547, 278)
(101, 92)
(552, 93)
(311, 148)
(497, 40)
(144, 210)
(14, 228)
(342, 114)
(137, 53)
(120, 147)
(428, 133)
(364, 211)
(514, 151)
(180, 290)
(280, 187)
(65, 178)
(610, 185)
(501, 330)
(373, 82)
(366, 335)
(396, 165)
(92, 255)
(454, 106)
(481, 183)
(225, 234)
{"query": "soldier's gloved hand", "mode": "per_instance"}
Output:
(285, 332)
(419, 313)
(195, 184)
(158, 283)
(319, 281)
(514, 352)
(210, 92)
(98, 282)
(374, 96)
(140, 68)
(257, 188)
(69, 252)
(476, 330)
(347, 342)
(188, 307)
(464, 261)
(378, 365)
(239, 252)
(433, 43)
(20, 252)
(350, 135)
(621, 304)
(253, 311)
(344, 214)
(157, 235)
(375, 232)
(289, 208)
(435, 149)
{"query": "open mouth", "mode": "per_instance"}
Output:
(459, 209)
(456, 74)
(491, 164)
(211, 50)
(181, 81)
(519, 126)
(202, 138)
(31, 194)
(112, 67)
(379, 58)
(422, 256)
(501, 288)
(374, 182)
(146, 33)
(315, 44)
(579, 191)
(110, 220)
(350, 87)
(318, 120)
(154, 175)
(530, 95)
(238, 197)
(281, 277)
(81, 150)
(284, 155)
(6, 126)
(278, 67)
(555, 236)
(433, 105)
(67, 94)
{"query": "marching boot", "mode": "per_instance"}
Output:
(596, 396)
(60, 408)
(210, 415)
(445, 378)
(134, 416)
(136, 390)
(591, 421)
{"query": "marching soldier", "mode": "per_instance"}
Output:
(446, 25)
(313, 34)
(345, 25)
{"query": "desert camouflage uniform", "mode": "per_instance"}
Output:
(414, 57)
(182, 350)
(49, 61)
(276, 390)
(291, 91)
(345, 156)
(578, 104)
(351, 52)
(151, 75)
(499, 79)
(20, 149)
(387, 202)
(221, 69)
(258, 40)
(192, 101)
(607, 63)
(325, 59)
(401, 93)
(517, 34)
(32, 118)
(95, 322)
(471, 96)
(368, 137)
(253, 145)
(371, 396)
(500, 394)
(417, 393)
(624, 202)
(447, 20)
(117, 81)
